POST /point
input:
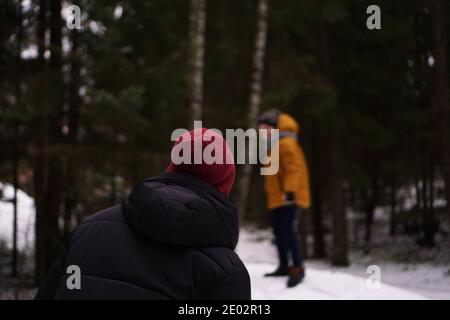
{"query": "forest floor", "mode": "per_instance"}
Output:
(399, 280)
(16, 289)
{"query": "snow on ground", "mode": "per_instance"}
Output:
(25, 218)
(398, 281)
(321, 285)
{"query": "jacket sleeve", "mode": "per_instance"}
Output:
(235, 286)
(291, 165)
(49, 287)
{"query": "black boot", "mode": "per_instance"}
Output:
(296, 275)
(281, 271)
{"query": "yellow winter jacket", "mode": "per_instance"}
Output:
(293, 174)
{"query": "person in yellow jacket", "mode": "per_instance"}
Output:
(286, 192)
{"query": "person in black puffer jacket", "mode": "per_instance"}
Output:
(172, 238)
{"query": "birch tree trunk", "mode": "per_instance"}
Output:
(441, 91)
(197, 21)
(255, 95)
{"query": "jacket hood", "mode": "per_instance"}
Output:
(287, 123)
(178, 208)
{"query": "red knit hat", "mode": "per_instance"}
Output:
(221, 173)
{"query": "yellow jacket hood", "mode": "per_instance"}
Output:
(287, 123)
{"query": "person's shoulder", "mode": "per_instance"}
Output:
(163, 190)
(220, 274)
(96, 221)
(111, 214)
(224, 257)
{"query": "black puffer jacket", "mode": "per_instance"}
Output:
(172, 238)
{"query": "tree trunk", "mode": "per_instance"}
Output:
(40, 155)
(255, 97)
(197, 21)
(441, 91)
(303, 229)
(16, 142)
(15, 170)
(371, 199)
(71, 166)
(317, 208)
(425, 183)
(355, 223)
(339, 254)
(428, 224)
(48, 165)
(393, 205)
(55, 167)
(417, 186)
(432, 227)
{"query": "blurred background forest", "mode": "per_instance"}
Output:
(85, 114)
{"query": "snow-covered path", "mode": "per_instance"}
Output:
(320, 285)
(260, 257)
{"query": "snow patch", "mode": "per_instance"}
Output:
(25, 219)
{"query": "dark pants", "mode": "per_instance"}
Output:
(285, 236)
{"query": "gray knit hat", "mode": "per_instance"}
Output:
(269, 117)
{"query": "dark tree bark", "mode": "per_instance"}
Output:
(71, 163)
(371, 202)
(55, 167)
(16, 142)
(417, 187)
(441, 90)
(393, 205)
(40, 153)
(317, 208)
(303, 230)
(428, 222)
(339, 254)
(48, 173)
(15, 171)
